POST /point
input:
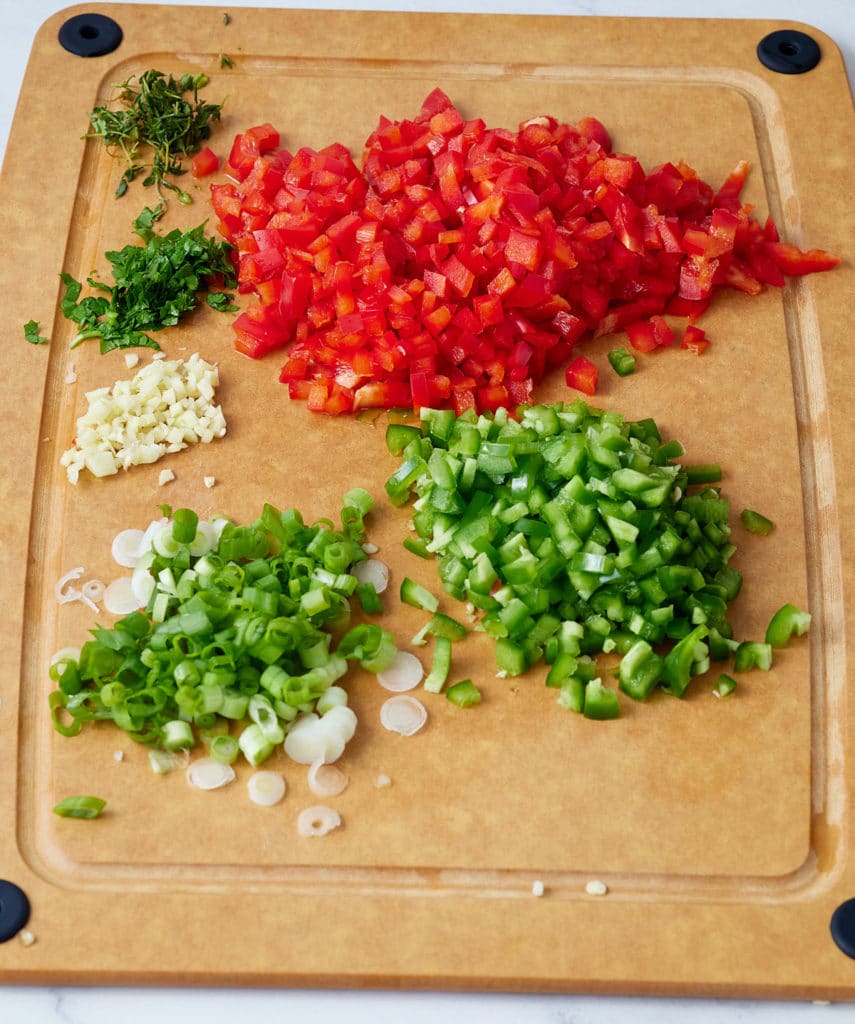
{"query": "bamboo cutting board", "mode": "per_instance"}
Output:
(722, 829)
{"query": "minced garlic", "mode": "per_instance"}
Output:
(165, 407)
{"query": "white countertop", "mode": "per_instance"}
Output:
(54, 1005)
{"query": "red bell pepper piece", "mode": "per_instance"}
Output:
(249, 145)
(694, 339)
(649, 335)
(792, 260)
(582, 375)
(204, 163)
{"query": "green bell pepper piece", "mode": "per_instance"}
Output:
(600, 702)
(786, 622)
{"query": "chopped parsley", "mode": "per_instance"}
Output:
(153, 285)
(31, 333)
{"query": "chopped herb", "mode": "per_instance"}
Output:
(221, 302)
(158, 115)
(31, 333)
(144, 224)
(153, 285)
(226, 61)
(227, 18)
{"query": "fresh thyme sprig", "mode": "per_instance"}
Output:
(162, 113)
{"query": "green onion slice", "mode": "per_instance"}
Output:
(80, 807)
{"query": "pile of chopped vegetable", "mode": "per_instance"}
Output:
(574, 532)
(462, 262)
(154, 285)
(161, 114)
(235, 627)
(162, 409)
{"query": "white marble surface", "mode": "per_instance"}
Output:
(54, 1005)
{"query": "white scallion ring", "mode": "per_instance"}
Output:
(372, 571)
(206, 539)
(206, 773)
(318, 820)
(66, 654)
(62, 591)
(120, 597)
(127, 547)
(326, 779)
(403, 714)
(405, 673)
(94, 590)
(266, 788)
(142, 584)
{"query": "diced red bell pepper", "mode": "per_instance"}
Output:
(582, 375)
(461, 262)
(649, 335)
(249, 145)
(792, 260)
(204, 163)
(694, 339)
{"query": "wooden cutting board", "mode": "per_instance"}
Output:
(722, 829)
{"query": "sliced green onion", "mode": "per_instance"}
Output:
(241, 629)
(163, 762)
(266, 788)
(80, 807)
(177, 735)
(224, 749)
(404, 673)
(403, 714)
(185, 522)
(254, 745)
(207, 773)
(369, 599)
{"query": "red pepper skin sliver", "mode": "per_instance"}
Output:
(459, 264)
